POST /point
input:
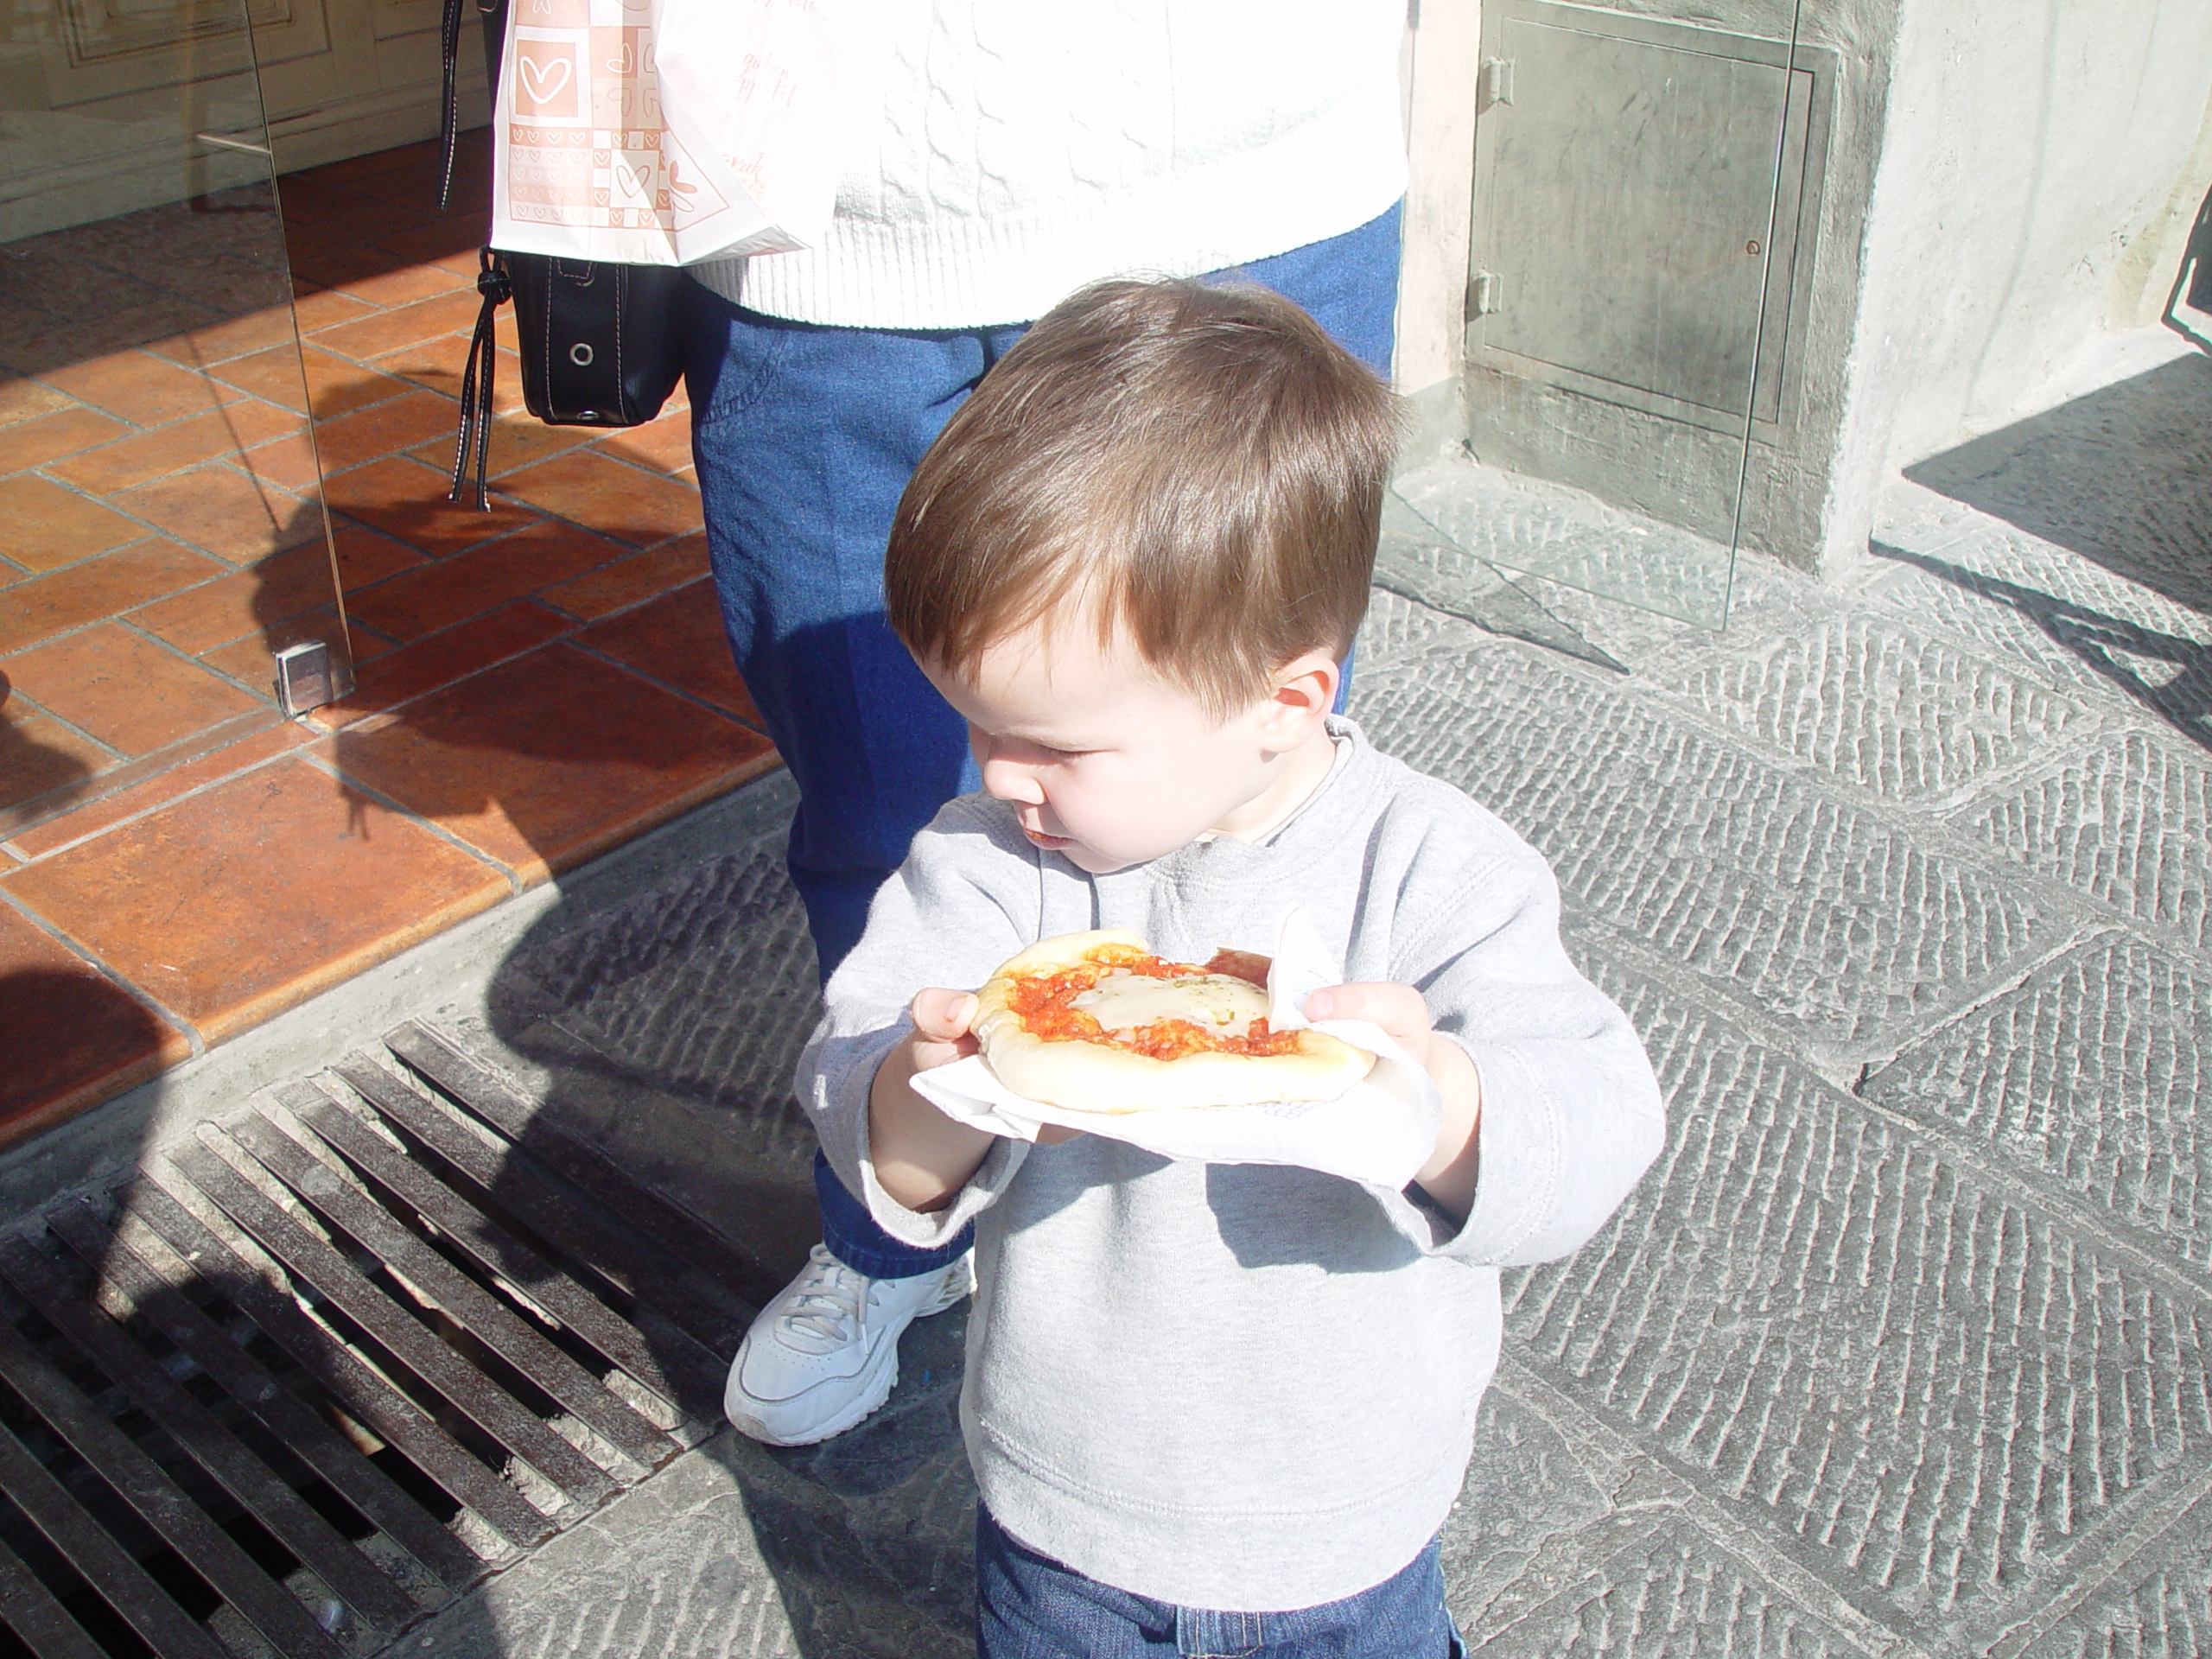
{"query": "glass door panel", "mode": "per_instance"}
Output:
(163, 539)
(1640, 244)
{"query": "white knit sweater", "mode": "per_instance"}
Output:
(998, 154)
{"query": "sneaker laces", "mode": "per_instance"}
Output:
(822, 1307)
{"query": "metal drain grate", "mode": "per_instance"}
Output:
(299, 1383)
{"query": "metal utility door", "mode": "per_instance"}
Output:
(1636, 261)
(1625, 202)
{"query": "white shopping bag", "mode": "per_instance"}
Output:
(662, 132)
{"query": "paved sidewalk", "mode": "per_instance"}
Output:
(1901, 1349)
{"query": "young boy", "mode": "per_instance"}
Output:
(1211, 1409)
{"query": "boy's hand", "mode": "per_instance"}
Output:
(942, 1019)
(1448, 1177)
(923, 1157)
(1401, 1011)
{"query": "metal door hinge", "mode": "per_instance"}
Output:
(1496, 85)
(1484, 294)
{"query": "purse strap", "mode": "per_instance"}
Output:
(449, 100)
(497, 287)
(492, 283)
(493, 13)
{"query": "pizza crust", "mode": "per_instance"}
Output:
(1090, 1076)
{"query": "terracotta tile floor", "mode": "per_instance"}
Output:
(536, 683)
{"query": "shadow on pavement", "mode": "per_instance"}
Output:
(663, 1025)
(2169, 675)
(34, 776)
(2117, 476)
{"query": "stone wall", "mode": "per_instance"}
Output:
(2039, 165)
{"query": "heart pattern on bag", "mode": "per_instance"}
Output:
(543, 82)
(587, 160)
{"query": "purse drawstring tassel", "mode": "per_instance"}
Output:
(492, 283)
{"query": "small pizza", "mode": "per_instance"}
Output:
(1094, 1022)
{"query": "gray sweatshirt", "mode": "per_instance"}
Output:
(1237, 1386)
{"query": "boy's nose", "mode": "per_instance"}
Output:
(1007, 780)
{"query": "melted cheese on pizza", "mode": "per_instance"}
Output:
(1123, 1002)
(1127, 999)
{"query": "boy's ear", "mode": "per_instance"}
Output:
(1305, 689)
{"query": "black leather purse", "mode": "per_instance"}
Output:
(601, 344)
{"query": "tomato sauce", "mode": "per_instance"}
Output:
(1042, 1003)
(1172, 1039)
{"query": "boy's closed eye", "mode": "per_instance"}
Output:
(1020, 746)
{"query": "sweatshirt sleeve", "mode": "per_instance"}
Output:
(965, 900)
(1572, 1115)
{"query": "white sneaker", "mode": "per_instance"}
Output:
(825, 1353)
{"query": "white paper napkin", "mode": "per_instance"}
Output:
(1381, 1130)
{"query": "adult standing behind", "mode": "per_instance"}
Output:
(994, 154)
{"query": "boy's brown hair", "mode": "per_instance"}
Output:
(1202, 466)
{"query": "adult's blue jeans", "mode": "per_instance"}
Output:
(804, 436)
(1029, 1606)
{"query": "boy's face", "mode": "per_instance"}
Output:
(1106, 762)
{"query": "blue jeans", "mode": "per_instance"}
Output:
(804, 436)
(1029, 1606)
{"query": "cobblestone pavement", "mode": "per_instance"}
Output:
(1901, 1349)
